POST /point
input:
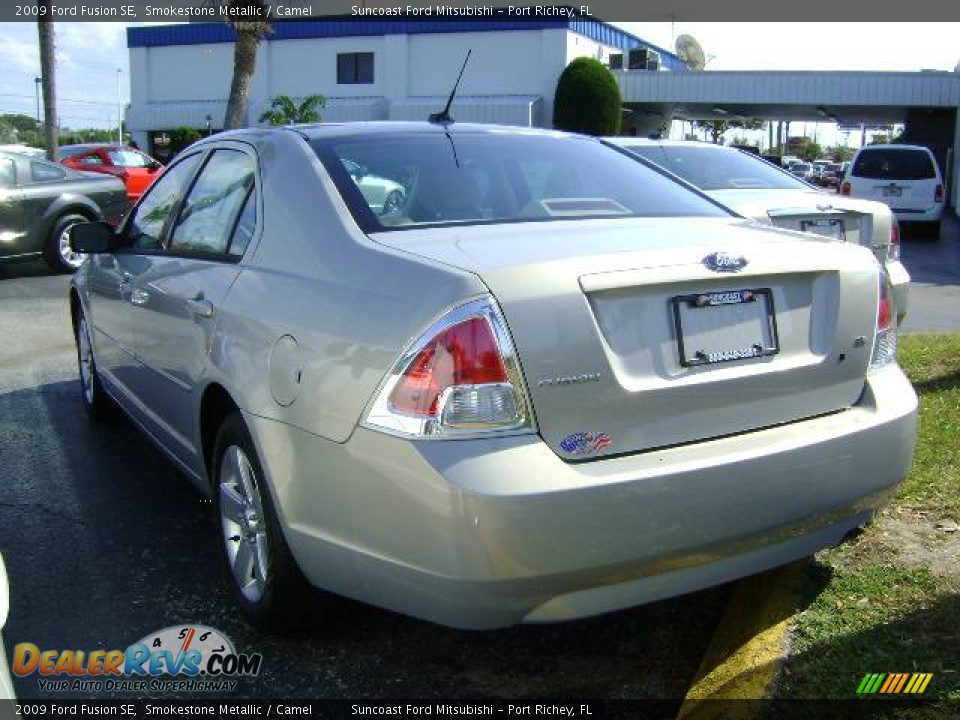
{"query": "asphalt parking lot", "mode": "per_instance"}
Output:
(934, 266)
(105, 543)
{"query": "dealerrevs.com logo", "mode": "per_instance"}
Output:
(182, 658)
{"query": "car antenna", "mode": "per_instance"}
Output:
(443, 117)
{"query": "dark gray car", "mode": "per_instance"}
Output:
(40, 201)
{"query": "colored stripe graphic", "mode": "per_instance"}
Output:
(894, 683)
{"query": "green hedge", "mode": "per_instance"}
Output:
(587, 99)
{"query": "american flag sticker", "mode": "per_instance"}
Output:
(585, 443)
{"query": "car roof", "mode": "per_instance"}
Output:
(894, 146)
(630, 140)
(318, 131)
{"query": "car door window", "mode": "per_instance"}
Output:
(90, 160)
(210, 212)
(125, 158)
(145, 230)
(8, 173)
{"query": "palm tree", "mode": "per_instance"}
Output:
(48, 72)
(285, 111)
(249, 35)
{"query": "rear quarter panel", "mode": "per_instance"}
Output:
(349, 305)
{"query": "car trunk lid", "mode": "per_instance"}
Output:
(608, 318)
(818, 213)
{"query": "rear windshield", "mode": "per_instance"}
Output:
(393, 181)
(712, 168)
(892, 164)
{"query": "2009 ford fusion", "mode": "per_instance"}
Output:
(546, 381)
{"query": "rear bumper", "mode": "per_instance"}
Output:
(483, 534)
(930, 214)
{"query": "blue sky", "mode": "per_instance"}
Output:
(89, 55)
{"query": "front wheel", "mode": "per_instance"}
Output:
(58, 253)
(265, 578)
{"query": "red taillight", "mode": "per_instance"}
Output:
(845, 189)
(885, 311)
(938, 194)
(463, 354)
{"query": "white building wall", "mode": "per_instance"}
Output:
(189, 72)
(512, 65)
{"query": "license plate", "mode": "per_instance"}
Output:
(726, 325)
(830, 227)
(892, 192)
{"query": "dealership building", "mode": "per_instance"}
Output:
(404, 69)
(371, 69)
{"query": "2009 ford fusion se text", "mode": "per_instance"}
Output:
(355, 338)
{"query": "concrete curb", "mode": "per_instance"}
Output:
(748, 648)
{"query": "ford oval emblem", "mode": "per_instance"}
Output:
(725, 262)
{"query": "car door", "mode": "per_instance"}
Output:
(110, 276)
(13, 226)
(177, 293)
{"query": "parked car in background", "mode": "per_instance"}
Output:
(135, 168)
(801, 170)
(830, 176)
(382, 194)
(763, 192)
(904, 177)
(40, 201)
(556, 381)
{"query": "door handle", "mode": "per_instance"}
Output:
(200, 307)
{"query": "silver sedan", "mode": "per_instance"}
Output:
(768, 194)
(552, 382)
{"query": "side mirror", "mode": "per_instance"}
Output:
(91, 237)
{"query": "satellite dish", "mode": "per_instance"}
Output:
(690, 52)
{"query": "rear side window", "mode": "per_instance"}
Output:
(8, 173)
(45, 172)
(90, 160)
(892, 164)
(215, 202)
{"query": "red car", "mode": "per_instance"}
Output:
(135, 168)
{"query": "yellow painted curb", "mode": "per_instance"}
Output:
(748, 647)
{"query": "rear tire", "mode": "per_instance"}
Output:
(267, 584)
(57, 252)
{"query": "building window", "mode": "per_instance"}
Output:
(355, 68)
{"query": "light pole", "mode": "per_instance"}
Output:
(39, 82)
(119, 111)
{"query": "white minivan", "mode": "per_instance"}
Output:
(905, 177)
